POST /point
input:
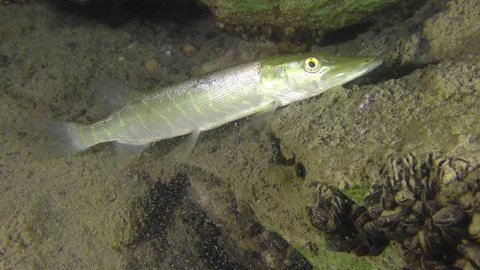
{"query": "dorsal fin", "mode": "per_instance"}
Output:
(109, 96)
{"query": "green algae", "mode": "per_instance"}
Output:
(356, 194)
(324, 14)
(249, 6)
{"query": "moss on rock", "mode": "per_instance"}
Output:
(318, 14)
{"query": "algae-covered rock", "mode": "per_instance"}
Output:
(312, 14)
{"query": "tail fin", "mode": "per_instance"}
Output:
(55, 138)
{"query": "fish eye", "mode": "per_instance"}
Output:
(312, 64)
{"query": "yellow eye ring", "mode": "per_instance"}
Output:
(312, 65)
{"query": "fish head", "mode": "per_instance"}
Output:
(290, 78)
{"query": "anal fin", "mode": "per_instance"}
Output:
(124, 154)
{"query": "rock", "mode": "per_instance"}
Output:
(287, 14)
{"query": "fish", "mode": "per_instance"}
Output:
(211, 100)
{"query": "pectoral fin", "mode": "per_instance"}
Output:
(186, 147)
(259, 119)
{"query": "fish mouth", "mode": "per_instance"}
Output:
(351, 69)
(373, 64)
(363, 66)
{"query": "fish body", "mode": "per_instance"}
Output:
(198, 104)
(220, 97)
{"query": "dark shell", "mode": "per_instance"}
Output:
(430, 240)
(449, 216)
(430, 188)
(411, 224)
(472, 253)
(360, 216)
(405, 197)
(412, 258)
(411, 244)
(374, 211)
(331, 212)
(385, 222)
(319, 217)
(417, 209)
(335, 221)
(468, 201)
(429, 208)
(452, 222)
(451, 193)
(388, 199)
(372, 229)
(374, 196)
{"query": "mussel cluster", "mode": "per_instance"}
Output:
(341, 222)
(431, 208)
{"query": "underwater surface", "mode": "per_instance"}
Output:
(382, 173)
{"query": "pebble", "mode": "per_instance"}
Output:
(188, 49)
(151, 65)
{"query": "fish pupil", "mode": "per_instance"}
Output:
(311, 64)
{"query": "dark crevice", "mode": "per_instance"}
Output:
(388, 73)
(116, 13)
(278, 156)
(213, 255)
(344, 34)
